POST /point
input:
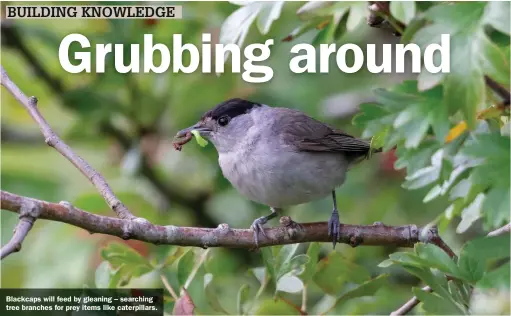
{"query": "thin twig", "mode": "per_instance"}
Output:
(168, 287)
(53, 140)
(500, 90)
(196, 268)
(435, 239)
(304, 299)
(288, 232)
(380, 17)
(408, 306)
(506, 229)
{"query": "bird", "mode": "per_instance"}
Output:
(279, 157)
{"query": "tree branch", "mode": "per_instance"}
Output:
(506, 229)
(380, 17)
(408, 306)
(53, 140)
(29, 212)
(288, 232)
(500, 90)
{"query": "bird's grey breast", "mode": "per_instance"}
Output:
(270, 172)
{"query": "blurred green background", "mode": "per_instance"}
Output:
(123, 125)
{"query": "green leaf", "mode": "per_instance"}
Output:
(427, 175)
(276, 307)
(122, 256)
(496, 279)
(476, 254)
(470, 214)
(437, 282)
(310, 266)
(455, 291)
(270, 262)
(295, 266)
(367, 288)
(495, 61)
(370, 118)
(411, 113)
(472, 53)
(436, 258)
(471, 269)
(414, 159)
(242, 298)
(285, 254)
(409, 258)
(334, 271)
(436, 304)
(413, 27)
(174, 254)
(326, 35)
(493, 149)
(185, 266)
(303, 28)
(496, 207)
(118, 278)
(464, 85)
(210, 294)
(386, 263)
(404, 11)
(287, 262)
(487, 248)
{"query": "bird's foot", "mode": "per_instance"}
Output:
(257, 227)
(334, 229)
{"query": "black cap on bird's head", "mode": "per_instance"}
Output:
(220, 116)
(231, 108)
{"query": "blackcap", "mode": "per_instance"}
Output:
(279, 157)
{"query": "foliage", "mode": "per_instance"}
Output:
(478, 268)
(450, 132)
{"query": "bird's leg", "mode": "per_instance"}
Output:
(333, 223)
(257, 225)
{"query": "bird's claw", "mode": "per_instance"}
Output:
(257, 227)
(334, 229)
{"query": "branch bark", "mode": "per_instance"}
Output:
(288, 232)
(53, 140)
(500, 90)
(29, 212)
(408, 306)
(506, 229)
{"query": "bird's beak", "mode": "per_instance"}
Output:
(203, 130)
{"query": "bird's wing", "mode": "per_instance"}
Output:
(307, 134)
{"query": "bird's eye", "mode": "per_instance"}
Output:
(224, 120)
